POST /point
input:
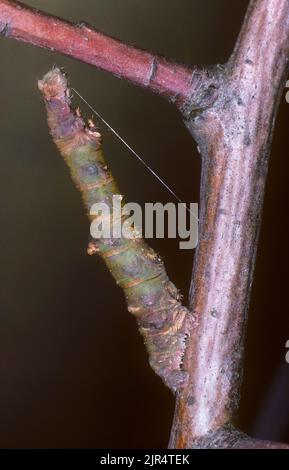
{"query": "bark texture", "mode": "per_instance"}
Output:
(234, 136)
(81, 41)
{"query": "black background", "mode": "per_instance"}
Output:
(73, 368)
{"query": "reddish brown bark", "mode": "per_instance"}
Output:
(230, 111)
(84, 43)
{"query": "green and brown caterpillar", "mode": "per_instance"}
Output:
(163, 322)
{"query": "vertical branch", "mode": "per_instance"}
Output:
(234, 136)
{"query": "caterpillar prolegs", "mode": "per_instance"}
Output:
(163, 322)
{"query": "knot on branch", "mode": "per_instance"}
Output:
(4, 29)
(204, 91)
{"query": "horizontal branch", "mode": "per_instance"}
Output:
(82, 42)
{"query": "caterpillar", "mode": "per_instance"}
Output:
(150, 296)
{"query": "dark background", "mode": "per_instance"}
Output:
(73, 368)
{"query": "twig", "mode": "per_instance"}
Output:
(82, 42)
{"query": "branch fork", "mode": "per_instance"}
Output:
(230, 111)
